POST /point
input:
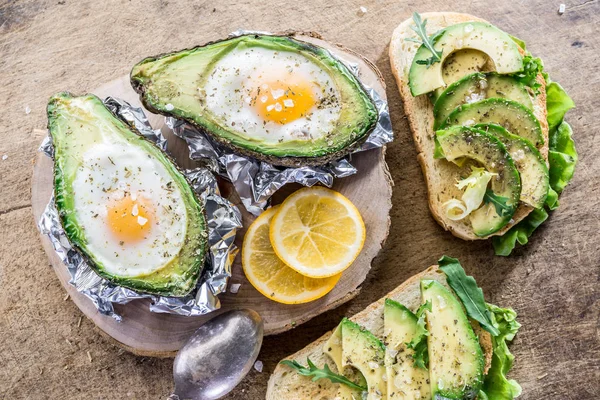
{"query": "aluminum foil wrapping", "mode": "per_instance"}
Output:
(256, 181)
(223, 220)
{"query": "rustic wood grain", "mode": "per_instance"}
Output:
(553, 282)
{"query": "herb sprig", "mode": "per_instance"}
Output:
(419, 29)
(321, 373)
(500, 203)
(469, 293)
(419, 342)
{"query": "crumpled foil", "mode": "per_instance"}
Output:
(223, 219)
(256, 181)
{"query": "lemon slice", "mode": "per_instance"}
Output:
(270, 276)
(317, 232)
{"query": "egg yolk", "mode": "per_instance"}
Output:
(129, 220)
(284, 101)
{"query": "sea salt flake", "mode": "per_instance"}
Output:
(169, 107)
(278, 107)
(27, 110)
(362, 10)
(561, 9)
(258, 365)
(270, 107)
(141, 220)
(234, 288)
(263, 99)
(288, 103)
(135, 211)
(277, 93)
(4, 157)
(134, 196)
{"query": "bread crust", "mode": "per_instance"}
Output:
(440, 175)
(287, 385)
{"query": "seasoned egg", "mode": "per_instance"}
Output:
(132, 213)
(272, 96)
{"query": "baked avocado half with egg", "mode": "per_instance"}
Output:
(275, 98)
(123, 203)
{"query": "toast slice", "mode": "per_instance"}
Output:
(285, 384)
(441, 175)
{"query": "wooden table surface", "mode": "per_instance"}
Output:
(48, 350)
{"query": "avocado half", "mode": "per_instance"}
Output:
(169, 84)
(75, 124)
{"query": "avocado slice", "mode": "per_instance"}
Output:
(460, 64)
(80, 124)
(459, 142)
(512, 116)
(479, 86)
(363, 351)
(175, 85)
(456, 361)
(333, 348)
(404, 379)
(529, 162)
(496, 44)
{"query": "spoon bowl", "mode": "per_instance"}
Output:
(218, 356)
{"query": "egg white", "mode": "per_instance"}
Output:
(107, 173)
(228, 90)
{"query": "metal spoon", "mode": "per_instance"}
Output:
(217, 356)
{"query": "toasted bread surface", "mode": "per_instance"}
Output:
(441, 175)
(285, 384)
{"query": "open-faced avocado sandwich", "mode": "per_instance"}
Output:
(488, 125)
(275, 98)
(123, 203)
(433, 337)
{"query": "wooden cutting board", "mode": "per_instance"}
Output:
(161, 335)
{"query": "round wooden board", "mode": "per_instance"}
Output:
(161, 335)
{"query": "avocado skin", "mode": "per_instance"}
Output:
(327, 154)
(162, 283)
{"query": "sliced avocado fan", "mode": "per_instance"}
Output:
(476, 87)
(425, 77)
(529, 162)
(513, 116)
(80, 125)
(456, 361)
(459, 142)
(175, 85)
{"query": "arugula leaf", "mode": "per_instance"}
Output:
(419, 342)
(324, 373)
(532, 66)
(421, 31)
(499, 202)
(468, 292)
(496, 385)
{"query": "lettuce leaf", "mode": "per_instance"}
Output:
(532, 66)
(504, 245)
(562, 157)
(496, 385)
(558, 103)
